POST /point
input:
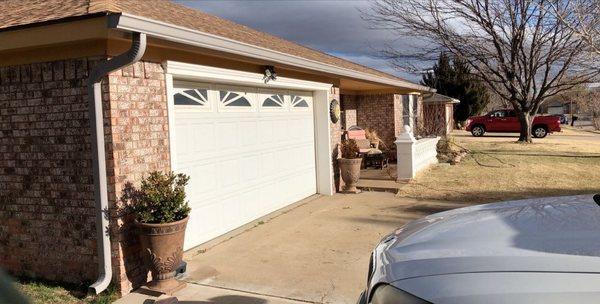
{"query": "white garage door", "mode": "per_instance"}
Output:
(248, 152)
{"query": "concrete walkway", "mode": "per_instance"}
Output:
(317, 252)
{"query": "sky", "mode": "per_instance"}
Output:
(334, 27)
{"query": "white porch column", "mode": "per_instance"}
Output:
(414, 155)
(404, 146)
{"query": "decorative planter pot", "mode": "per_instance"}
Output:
(162, 245)
(350, 171)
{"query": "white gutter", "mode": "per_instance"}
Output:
(187, 36)
(135, 53)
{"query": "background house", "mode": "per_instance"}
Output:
(438, 114)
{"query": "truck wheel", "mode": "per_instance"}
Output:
(539, 132)
(478, 131)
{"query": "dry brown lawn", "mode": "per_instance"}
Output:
(497, 168)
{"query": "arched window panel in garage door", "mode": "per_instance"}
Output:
(236, 99)
(192, 96)
(273, 100)
(301, 102)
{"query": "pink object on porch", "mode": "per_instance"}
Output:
(356, 134)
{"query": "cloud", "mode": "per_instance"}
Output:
(334, 27)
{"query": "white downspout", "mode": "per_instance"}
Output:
(135, 53)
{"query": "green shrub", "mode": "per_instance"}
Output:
(160, 198)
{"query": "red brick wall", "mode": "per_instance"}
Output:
(349, 115)
(378, 112)
(137, 143)
(46, 188)
(336, 133)
(47, 209)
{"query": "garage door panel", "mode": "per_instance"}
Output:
(248, 133)
(227, 135)
(243, 163)
(249, 167)
(203, 180)
(229, 173)
(265, 131)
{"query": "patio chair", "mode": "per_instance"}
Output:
(364, 144)
(359, 135)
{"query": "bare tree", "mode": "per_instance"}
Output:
(588, 102)
(583, 17)
(519, 48)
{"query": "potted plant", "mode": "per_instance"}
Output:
(161, 214)
(350, 164)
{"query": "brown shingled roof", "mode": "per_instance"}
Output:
(27, 12)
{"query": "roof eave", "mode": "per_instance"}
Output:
(187, 36)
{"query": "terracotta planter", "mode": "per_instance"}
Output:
(350, 171)
(162, 245)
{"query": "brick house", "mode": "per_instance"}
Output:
(189, 96)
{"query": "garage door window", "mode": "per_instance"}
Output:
(237, 101)
(192, 97)
(299, 102)
(273, 101)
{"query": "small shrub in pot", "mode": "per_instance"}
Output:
(350, 164)
(161, 213)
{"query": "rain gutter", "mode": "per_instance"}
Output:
(135, 53)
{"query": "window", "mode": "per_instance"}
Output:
(498, 114)
(273, 101)
(299, 102)
(191, 97)
(231, 99)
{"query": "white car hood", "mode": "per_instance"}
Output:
(559, 234)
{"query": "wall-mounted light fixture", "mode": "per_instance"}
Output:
(270, 74)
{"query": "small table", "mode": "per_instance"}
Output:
(379, 160)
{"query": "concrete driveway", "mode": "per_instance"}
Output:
(317, 252)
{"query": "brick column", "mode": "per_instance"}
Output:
(349, 111)
(137, 143)
(336, 139)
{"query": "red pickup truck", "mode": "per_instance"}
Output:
(507, 121)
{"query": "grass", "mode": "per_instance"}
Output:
(498, 168)
(42, 292)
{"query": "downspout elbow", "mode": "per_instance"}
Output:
(134, 54)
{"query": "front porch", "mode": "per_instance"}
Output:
(386, 114)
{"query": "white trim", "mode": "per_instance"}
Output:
(205, 73)
(187, 36)
(171, 116)
(320, 107)
(323, 143)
